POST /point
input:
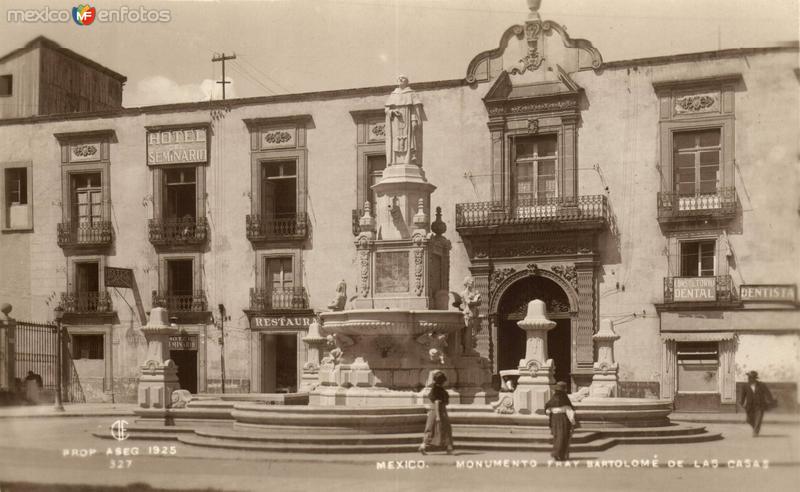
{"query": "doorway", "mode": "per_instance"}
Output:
(186, 360)
(511, 338)
(279, 363)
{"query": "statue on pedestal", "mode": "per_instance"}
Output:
(403, 125)
(470, 302)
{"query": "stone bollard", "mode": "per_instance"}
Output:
(605, 378)
(8, 326)
(159, 375)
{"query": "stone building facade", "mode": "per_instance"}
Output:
(658, 193)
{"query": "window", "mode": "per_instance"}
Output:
(87, 287)
(696, 162)
(87, 346)
(279, 190)
(180, 192)
(535, 162)
(17, 212)
(6, 85)
(376, 164)
(87, 198)
(179, 278)
(278, 274)
(698, 258)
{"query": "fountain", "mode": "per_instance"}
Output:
(401, 329)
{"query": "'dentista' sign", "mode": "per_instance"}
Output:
(280, 322)
(768, 293)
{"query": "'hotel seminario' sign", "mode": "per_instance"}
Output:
(694, 289)
(768, 293)
(177, 146)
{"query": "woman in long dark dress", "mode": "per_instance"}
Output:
(562, 421)
(438, 433)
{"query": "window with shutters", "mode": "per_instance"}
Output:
(16, 196)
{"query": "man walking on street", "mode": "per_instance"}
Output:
(755, 399)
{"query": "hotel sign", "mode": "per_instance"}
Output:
(768, 293)
(281, 322)
(182, 146)
(694, 289)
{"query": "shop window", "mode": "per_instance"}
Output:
(6, 85)
(180, 192)
(87, 346)
(698, 366)
(698, 258)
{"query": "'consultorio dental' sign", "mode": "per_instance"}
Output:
(768, 293)
(687, 289)
(181, 146)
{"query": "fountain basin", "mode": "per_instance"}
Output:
(390, 322)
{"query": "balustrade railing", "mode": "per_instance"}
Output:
(171, 232)
(276, 227)
(721, 203)
(86, 302)
(195, 302)
(587, 208)
(76, 234)
(276, 299)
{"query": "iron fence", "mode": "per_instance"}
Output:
(36, 346)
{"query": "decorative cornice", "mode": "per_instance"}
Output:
(716, 80)
(360, 115)
(178, 126)
(516, 30)
(68, 137)
(299, 119)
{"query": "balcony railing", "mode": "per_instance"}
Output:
(76, 235)
(558, 211)
(699, 289)
(277, 299)
(86, 302)
(176, 232)
(720, 204)
(276, 227)
(181, 303)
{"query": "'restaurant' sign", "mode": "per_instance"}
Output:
(280, 322)
(694, 289)
(182, 146)
(183, 342)
(768, 293)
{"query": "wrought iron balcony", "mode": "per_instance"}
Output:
(84, 235)
(86, 302)
(673, 206)
(563, 213)
(278, 227)
(181, 303)
(699, 289)
(262, 300)
(178, 232)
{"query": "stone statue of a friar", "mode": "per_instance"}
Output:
(403, 125)
(470, 304)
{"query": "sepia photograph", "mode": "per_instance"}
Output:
(399, 245)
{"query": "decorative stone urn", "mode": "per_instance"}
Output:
(159, 375)
(605, 378)
(535, 370)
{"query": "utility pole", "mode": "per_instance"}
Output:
(222, 341)
(222, 58)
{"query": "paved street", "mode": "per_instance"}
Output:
(33, 449)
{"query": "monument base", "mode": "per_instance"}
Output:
(156, 384)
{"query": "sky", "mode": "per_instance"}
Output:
(292, 46)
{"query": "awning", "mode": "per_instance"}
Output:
(715, 336)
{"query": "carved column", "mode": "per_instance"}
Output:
(668, 367)
(159, 375)
(315, 343)
(8, 326)
(535, 370)
(497, 127)
(727, 380)
(480, 274)
(604, 380)
(584, 356)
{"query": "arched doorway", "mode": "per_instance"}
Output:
(511, 338)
